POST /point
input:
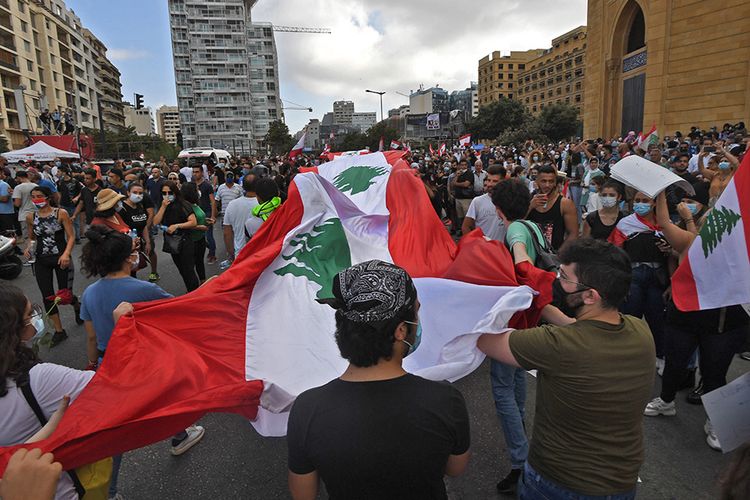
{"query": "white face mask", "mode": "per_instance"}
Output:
(136, 198)
(37, 321)
(608, 201)
(134, 264)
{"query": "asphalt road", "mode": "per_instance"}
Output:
(233, 461)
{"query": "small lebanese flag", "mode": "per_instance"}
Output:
(432, 151)
(326, 150)
(464, 140)
(381, 144)
(408, 147)
(395, 144)
(441, 151)
(644, 141)
(716, 271)
(297, 149)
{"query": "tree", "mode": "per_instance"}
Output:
(353, 141)
(278, 138)
(126, 144)
(558, 121)
(497, 117)
(382, 129)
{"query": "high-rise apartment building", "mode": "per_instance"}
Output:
(226, 71)
(342, 112)
(52, 62)
(557, 75)
(168, 123)
(432, 100)
(466, 100)
(498, 74)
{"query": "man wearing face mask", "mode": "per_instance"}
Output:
(402, 433)
(588, 431)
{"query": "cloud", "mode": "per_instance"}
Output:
(397, 45)
(126, 54)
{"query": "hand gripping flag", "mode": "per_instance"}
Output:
(716, 271)
(252, 339)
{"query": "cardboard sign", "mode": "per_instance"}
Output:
(728, 408)
(646, 176)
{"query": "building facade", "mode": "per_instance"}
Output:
(168, 123)
(466, 101)
(142, 120)
(557, 75)
(48, 60)
(669, 63)
(364, 120)
(226, 71)
(432, 100)
(498, 74)
(342, 112)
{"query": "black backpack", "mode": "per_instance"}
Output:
(546, 258)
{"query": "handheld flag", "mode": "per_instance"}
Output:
(464, 140)
(297, 149)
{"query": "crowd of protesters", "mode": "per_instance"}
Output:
(617, 250)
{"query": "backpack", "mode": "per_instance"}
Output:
(546, 258)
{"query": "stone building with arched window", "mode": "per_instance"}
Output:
(670, 63)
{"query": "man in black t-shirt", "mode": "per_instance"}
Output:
(87, 200)
(377, 431)
(207, 202)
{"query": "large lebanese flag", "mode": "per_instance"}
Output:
(252, 339)
(716, 271)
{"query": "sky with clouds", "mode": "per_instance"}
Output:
(385, 45)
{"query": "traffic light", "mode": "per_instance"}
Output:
(138, 101)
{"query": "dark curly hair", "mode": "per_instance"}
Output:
(105, 250)
(47, 192)
(512, 197)
(15, 357)
(364, 344)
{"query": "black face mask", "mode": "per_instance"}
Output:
(563, 301)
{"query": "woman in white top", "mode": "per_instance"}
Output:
(20, 322)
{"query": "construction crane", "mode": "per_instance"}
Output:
(300, 29)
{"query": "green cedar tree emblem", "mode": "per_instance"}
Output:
(358, 179)
(719, 222)
(319, 256)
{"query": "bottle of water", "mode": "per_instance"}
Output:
(162, 227)
(133, 233)
(32, 253)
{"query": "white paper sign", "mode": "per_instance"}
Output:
(646, 176)
(728, 408)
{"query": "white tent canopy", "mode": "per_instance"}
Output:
(39, 151)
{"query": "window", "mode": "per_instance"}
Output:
(27, 46)
(510, 96)
(24, 27)
(33, 84)
(30, 65)
(510, 66)
(521, 66)
(578, 97)
(500, 85)
(510, 85)
(499, 66)
(21, 6)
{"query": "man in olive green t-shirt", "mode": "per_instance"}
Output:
(594, 378)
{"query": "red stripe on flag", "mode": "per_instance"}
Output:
(742, 185)
(684, 290)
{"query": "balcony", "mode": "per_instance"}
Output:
(5, 21)
(8, 60)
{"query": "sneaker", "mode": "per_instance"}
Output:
(58, 338)
(153, 277)
(745, 355)
(507, 486)
(658, 406)
(194, 435)
(660, 366)
(694, 396)
(211, 259)
(711, 439)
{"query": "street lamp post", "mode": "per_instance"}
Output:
(381, 101)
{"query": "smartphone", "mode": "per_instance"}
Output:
(709, 149)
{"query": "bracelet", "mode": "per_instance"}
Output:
(688, 220)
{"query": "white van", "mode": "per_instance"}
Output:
(201, 155)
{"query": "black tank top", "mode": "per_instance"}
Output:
(600, 231)
(552, 223)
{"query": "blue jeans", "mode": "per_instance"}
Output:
(645, 300)
(509, 392)
(76, 222)
(575, 195)
(534, 486)
(116, 462)
(211, 242)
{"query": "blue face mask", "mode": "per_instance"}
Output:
(37, 321)
(418, 337)
(642, 208)
(592, 189)
(692, 207)
(724, 165)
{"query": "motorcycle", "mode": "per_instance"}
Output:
(10, 264)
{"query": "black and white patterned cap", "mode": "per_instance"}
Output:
(372, 291)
